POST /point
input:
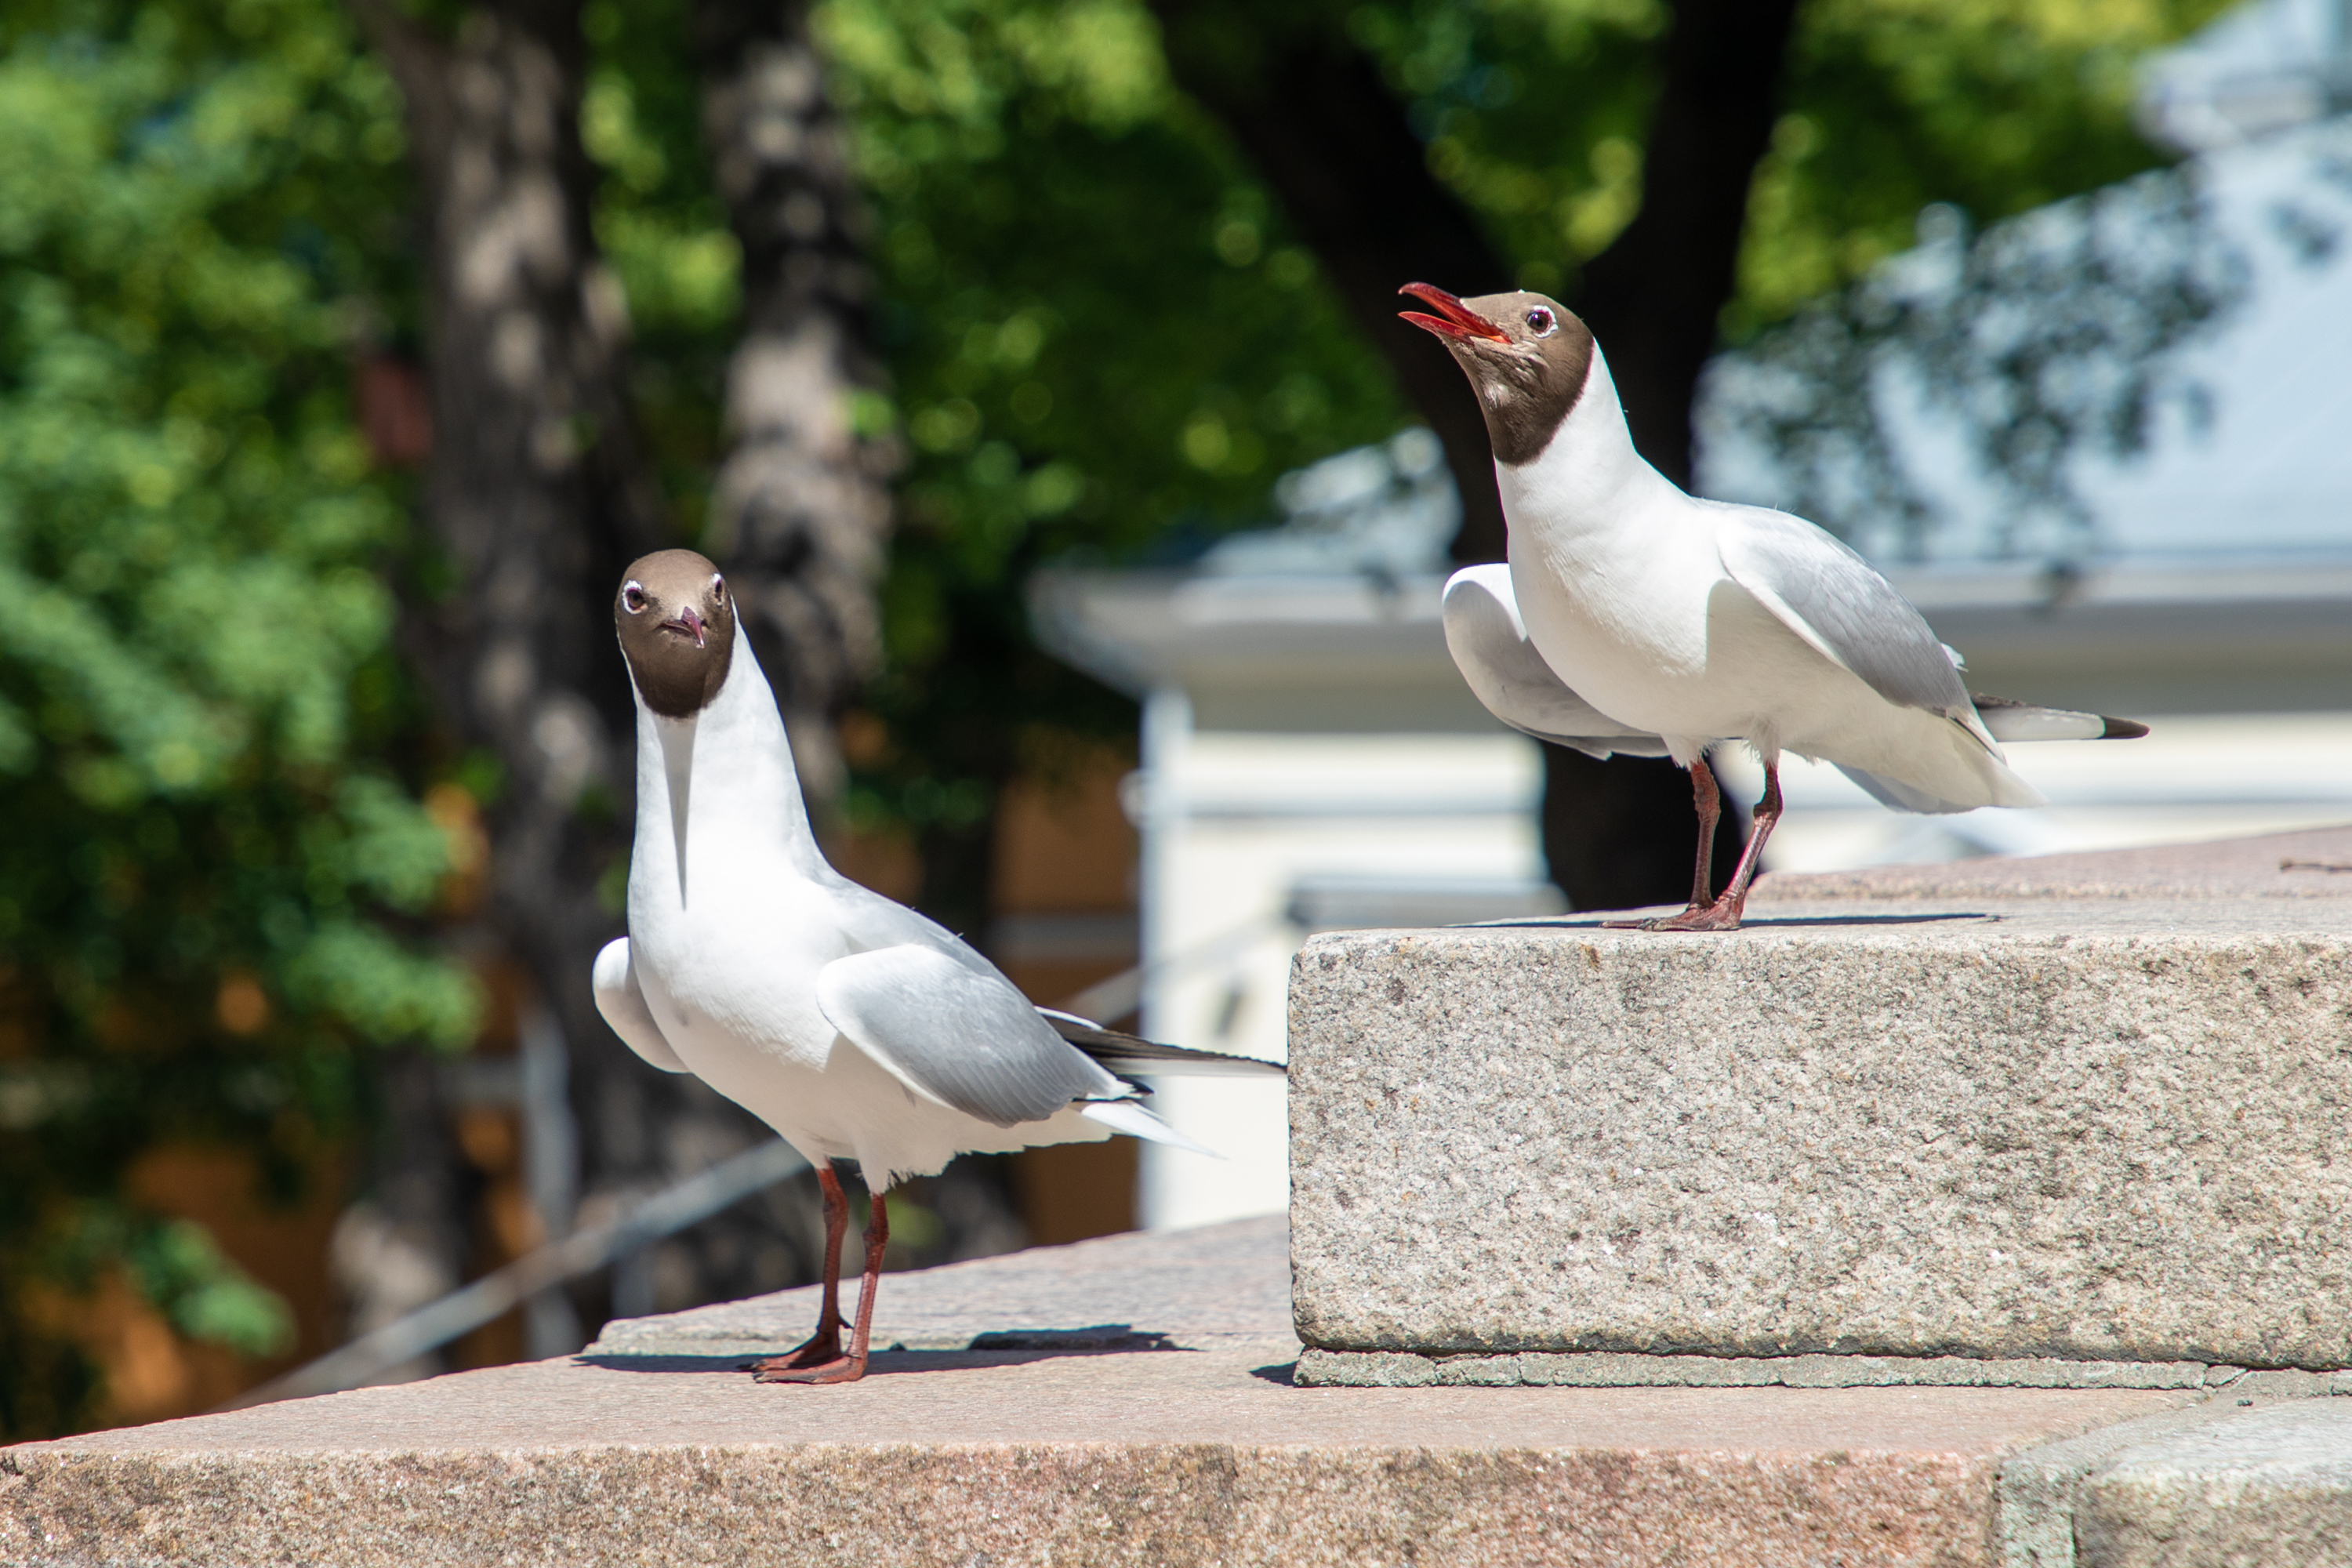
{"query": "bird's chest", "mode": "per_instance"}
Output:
(732, 968)
(1619, 618)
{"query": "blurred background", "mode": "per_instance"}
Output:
(1029, 367)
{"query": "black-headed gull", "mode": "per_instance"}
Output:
(853, 1027)
(1634, 617)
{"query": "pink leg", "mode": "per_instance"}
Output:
(1707, 800)
(1724, 914)
(824, 1347)
(847, 1368)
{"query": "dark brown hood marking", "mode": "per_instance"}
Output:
(1527, 378)
(676, 622)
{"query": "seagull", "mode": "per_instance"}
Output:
(854, 1028)
(1634, 617)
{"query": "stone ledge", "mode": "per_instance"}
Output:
(2261, 1486)
(2095, 1132)
(1175, 1459)
(1215, 1285)
(1536, 1369)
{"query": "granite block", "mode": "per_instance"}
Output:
(1060, 1455)
(1601, 1369)
(1165, 1459)
(2267, 1488)
(2104, 1132)
(1212, 1285)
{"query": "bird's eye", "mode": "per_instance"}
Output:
(632, 598)
(718, 589)
(1541, 322)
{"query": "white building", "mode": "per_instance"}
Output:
(1311, 759)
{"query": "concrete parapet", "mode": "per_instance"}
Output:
(1173, 1457)
(2105, 1131)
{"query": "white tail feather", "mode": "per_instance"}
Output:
(1126, 1116)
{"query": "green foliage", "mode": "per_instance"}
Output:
(1536, 111)
(209, 860)
(1105, 343)
(1102, 338)
(1994, 108)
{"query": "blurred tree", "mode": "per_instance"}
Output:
(206, 892)
(1608, 152)
(801, 510)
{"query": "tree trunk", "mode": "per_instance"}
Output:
(1334, 143)
(1654, 296)
(537, 499)
(801, 514)
(1327, 135)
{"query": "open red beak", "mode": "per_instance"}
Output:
(1453, 318)
(688, 622)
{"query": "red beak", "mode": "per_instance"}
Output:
(1453, 318)
(688, 622)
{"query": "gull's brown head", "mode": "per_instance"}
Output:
(676, 622)
(1527, 358)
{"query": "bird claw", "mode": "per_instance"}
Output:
(789, 1369)
(1718, 916)
(1714, 917)
(817, 1349)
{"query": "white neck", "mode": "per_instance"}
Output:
(1588, 477)
(721, 783)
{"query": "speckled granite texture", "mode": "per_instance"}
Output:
(2264, 1487)
(1603, 1369)
(1196, 1288)
(2315, 863)
(2099, 1131)
(1161, 1459)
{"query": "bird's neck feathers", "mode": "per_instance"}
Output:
(721, 782)
(1588, 476)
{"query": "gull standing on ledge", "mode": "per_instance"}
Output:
(1633, 617)
(853, 1027)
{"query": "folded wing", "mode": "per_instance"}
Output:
(958, 1037)
(1490, 646)
(1124, 1053)
(614, 982)
(1837, 602)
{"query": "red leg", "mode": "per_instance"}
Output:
(1724, 912)
(823, 1347)
(1708, 801)
(847, 1368)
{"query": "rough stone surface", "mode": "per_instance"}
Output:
(2315, 863)
(2267, 1486)
(958, 1458)
(1195, 1288)
(2041, 1488)
(955, 1459)
(2106, 1131)
(1602, 1369)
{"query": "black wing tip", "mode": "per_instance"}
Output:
(2121, 729)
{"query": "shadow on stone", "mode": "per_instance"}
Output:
(1014, 1347)
(1599, 919)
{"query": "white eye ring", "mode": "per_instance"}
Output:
(1542, 323)
(632, 598)
(718, 589)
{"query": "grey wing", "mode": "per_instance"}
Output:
(2013, 721)
(614, 982)
(1490, 646)
(1832, 598)
(959, 1036)
(1125, 1053)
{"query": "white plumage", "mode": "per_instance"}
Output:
(1633, 617)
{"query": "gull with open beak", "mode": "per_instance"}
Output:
(1633, 617)
(853, 1027)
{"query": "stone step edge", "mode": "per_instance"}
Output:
(1606, 1369)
